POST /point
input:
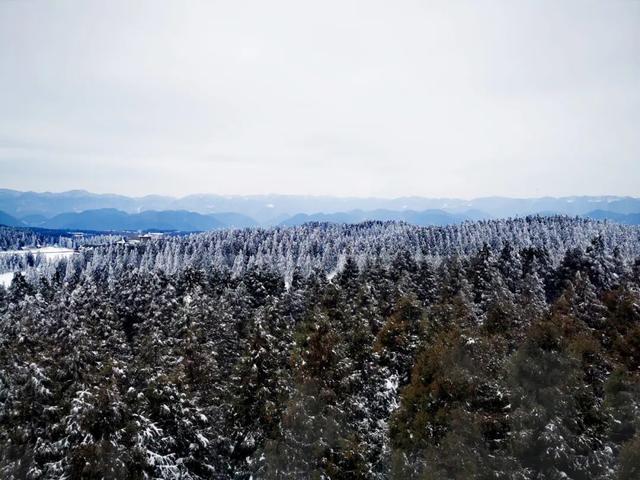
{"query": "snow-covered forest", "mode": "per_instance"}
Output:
(505, 349)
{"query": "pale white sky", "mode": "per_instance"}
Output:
(382, 98)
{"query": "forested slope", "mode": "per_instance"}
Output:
(499, 349)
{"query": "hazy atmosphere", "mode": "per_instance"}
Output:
(337, 240)
(455, 99)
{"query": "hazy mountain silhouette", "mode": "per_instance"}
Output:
(10, 221)
(113, 219)
(628, 218)
(274, 209)
(424, 218)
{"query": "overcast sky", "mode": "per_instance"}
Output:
(393, 98)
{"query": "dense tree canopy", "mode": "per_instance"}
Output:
(506, 349)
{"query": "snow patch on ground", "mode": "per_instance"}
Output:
(49, 253)
(6, 278)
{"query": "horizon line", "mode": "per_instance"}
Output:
(319, 196)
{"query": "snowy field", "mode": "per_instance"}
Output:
(5, 279)
(49, 253)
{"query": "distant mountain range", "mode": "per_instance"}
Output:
(88, 211)
(110, 219)
(9, 221)
(628, 218)
(424, 218)
(274, 209)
